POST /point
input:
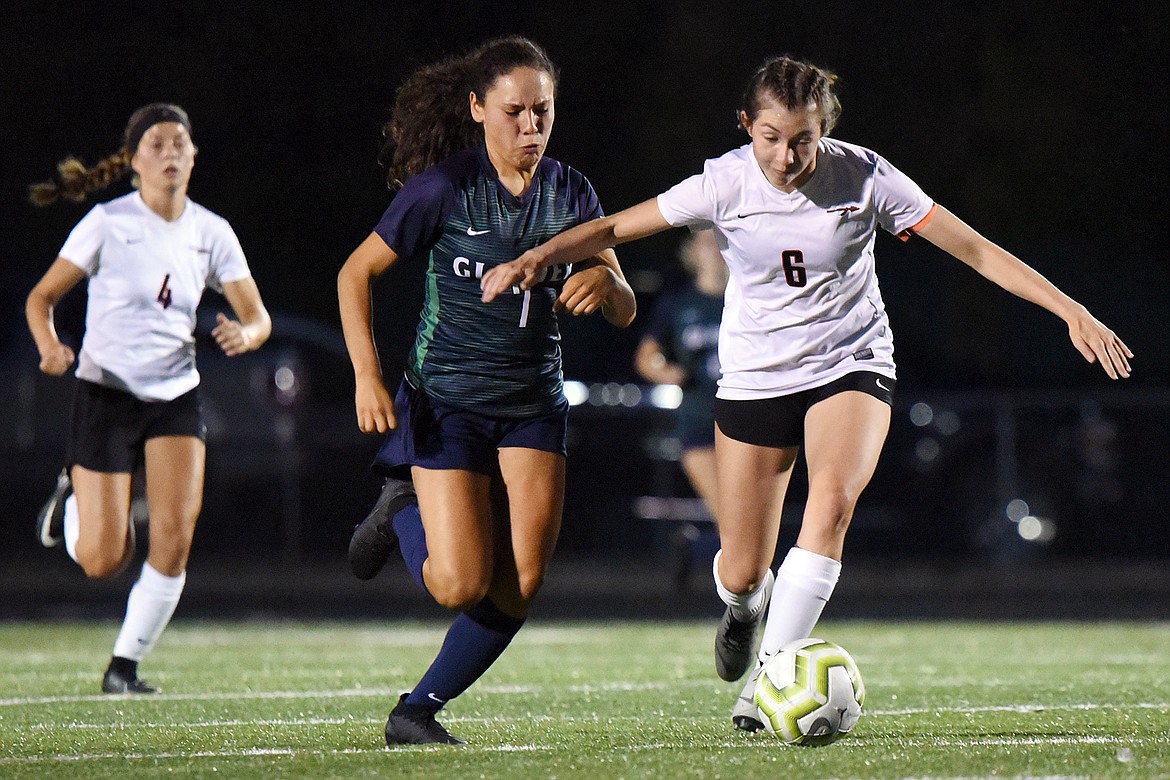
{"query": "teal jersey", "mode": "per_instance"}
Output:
(502, 358)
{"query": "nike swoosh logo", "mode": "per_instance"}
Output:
(472, 232)
(752, 214)
(883, 387)
(435, 698)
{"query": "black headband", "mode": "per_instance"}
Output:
(148, 117)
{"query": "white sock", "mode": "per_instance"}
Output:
(804, 583)
(149, 608)
(72, 524)
(744, 606)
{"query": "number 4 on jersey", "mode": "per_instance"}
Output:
(164, 293)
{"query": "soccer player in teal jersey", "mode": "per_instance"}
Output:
(478, 424)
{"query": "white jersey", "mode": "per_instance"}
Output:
(146, 276)
(802, 306)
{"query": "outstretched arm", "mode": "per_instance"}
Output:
(375, 408)
(1092, 339)
(585, 240)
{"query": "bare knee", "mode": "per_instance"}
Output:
(100, 564)
(740, 576)
(453, 588)
(530, 585)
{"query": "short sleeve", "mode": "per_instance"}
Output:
(691, 201)
(84, 245)
(588, 204)
(228, 263)
(900, 204)
(414, 220)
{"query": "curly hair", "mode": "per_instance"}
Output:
(75, 181)
(431, 117)
(795, 84)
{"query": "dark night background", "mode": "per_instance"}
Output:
(1043, 125)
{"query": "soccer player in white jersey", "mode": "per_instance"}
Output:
(148, 256)
(805, 344)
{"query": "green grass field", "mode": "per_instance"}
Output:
(604, 700)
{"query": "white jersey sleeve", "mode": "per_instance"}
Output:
(84, 244)
(228, 263)
(899, 204)
(690, 202)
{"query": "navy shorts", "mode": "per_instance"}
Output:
(779, 422)
(434, 435)
(110, 427)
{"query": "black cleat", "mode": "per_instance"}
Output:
(51, 518)
(735, 645)
(373, 539)
(116, 682)
(406, 727)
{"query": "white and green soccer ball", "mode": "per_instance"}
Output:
(810, 693)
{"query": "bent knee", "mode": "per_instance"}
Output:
(456, 591)
(740, 578)
(530, 585)
(101, 566)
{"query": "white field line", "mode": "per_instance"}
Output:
(610, 687)
(758, 744)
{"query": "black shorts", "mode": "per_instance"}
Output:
(779, 422)
(110, 427)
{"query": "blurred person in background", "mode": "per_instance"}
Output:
(680, 347)
(805, 346)
(474, 459)
(148, 257)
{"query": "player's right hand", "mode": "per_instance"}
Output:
(57, 359)
(523, 271)
(375, 407)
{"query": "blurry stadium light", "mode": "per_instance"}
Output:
(1016, 510)
(666, 396)
(921, 414)
(926, 449)
(1036, 529)
(576, 392)
(946, 423)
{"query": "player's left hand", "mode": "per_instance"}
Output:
(1097, 343)
(230, 335)
(586, 291)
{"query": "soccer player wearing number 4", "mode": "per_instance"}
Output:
(479, 421)
(805, 343)
(149, 257)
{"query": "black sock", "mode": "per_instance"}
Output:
(124, 667)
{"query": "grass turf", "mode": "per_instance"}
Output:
(604, 700)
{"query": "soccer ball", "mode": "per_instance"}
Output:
(810, 693)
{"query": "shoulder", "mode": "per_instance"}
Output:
(841, 153)
(207, 220)
(128, 205)
(561, 173)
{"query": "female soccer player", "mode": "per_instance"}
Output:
(479, 420)
(149, 256)
(805, 343)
